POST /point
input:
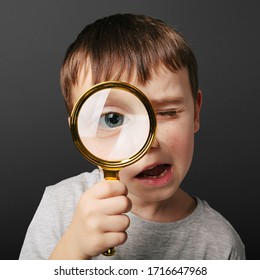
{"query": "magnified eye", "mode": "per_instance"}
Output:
(112, 124)
(111, 120)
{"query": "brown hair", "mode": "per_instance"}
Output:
(124, 44)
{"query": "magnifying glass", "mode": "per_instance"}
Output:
(113, 125)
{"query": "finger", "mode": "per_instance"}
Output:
(115, 223)
(114, 205)
(108, 188)
(113, 239)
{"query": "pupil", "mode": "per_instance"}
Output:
(113, 120)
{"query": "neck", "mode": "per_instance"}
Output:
(176, 208)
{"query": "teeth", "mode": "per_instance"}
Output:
(162, 174)
(151, 177)
(151, 167)
(154, 177)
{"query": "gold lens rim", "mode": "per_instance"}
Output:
(104, 164)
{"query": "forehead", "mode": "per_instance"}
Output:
(163, 86)
(166, 86)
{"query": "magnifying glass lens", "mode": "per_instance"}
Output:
(113, 124)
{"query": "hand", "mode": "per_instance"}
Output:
(98, 222)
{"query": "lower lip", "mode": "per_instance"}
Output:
(159, 181)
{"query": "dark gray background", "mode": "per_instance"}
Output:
(36, 147)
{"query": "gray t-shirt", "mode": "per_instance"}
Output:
(204, 234)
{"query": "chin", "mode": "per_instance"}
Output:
(149, 194)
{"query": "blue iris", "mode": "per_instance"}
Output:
(111, 120)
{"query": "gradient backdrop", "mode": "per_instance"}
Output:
(36, 147)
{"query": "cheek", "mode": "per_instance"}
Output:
(179, 140)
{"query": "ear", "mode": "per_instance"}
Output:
(197, 109)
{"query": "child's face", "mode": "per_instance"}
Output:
(157, 176)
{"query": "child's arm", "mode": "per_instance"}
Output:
(97, 224)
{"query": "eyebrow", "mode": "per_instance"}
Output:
(168, 100)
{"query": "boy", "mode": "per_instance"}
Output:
(145, 214)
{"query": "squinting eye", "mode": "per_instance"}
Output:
(111, 120)
(172, 113)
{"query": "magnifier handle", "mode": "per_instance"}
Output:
(110, 175)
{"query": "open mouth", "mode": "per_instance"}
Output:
(154, 172)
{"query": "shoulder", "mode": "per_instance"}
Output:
(216, 222)
(62, 198)
(74, 186)
(84, 180)
(219, 231)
